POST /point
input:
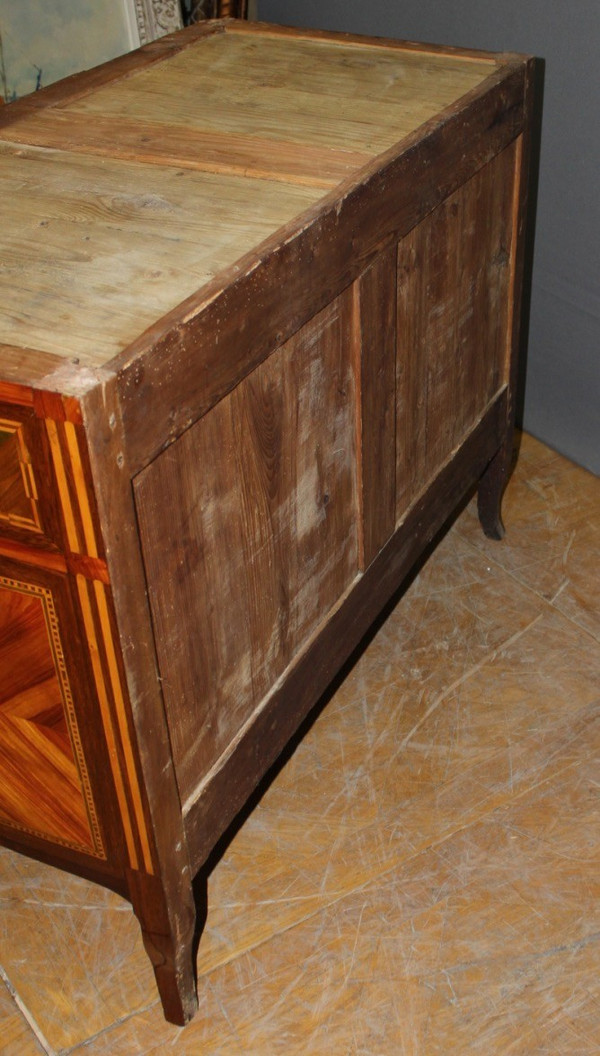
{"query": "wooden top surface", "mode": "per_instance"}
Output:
(125, 191)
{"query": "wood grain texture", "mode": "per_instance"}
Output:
(260, 541)
(308, 91)
(376, 309)
(163, 143)
(44, 785)
(360, 41)
(453, 310)
(218, 800)
(290, 111)
(81, 84)
(22, 367)
(63, 216)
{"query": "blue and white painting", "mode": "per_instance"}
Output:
(44, 40)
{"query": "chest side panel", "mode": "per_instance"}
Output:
(250, 535)
(44, 781)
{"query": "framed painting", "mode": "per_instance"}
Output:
(40, 43)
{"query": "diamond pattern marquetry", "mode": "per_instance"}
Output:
(43, 781)
(18, 496)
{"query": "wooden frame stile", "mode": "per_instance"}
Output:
(163, 896)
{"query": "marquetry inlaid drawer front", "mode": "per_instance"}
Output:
(19, 503)
(27, 509)
(47, 509)
(44, 781)
(65, 743)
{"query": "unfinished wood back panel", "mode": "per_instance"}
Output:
(249, 533)
(454, 272)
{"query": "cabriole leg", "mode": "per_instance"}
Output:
(489, 494)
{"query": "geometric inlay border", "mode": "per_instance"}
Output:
(32, 522)
(52, 627)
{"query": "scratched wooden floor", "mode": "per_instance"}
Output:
(422, 877)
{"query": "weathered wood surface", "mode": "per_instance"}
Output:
(217, 801)
(193, 357)
(261, 537)
(241, 105)
(70, 286)
(453, 316)
(310, 92)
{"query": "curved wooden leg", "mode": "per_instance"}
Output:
(171, 935)
(489, 495)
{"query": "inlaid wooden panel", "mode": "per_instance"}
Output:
(261, 536)
(44, 787)
(29, 525)
(454, 273)
(18, 490)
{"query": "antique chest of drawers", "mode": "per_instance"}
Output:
(259, 318)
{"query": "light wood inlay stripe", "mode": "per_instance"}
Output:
(81, 489)
(63, 487)
(115, 679)
(107, 719)
(77, 512)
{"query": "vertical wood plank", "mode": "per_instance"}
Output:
(453, 314)
(376, 294)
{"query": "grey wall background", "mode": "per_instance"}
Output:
(562, 392)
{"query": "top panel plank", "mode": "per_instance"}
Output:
(306, 91)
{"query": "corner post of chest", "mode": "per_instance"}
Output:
(493, 482)
(159, 877)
